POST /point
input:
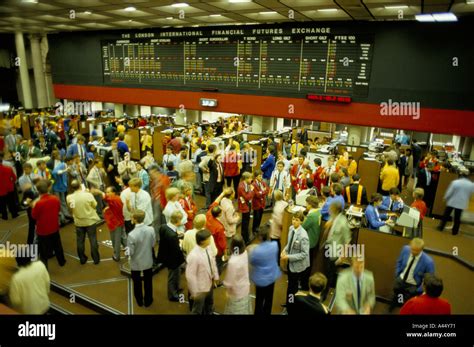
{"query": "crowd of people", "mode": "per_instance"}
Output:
(152, 202)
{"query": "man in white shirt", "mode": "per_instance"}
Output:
(189, 240)
(280, 180)
(203, 165)
(202, 274)
(29, 287)
(169, 157)
(138, 199)
(127, 216)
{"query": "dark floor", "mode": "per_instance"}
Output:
(105, 283)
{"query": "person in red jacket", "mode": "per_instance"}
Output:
(7, 190)
(245, 193)
(189, 206)
(113, 215)
(231, 164)
(295, 172)
(46, 211)
(260, 190)
(429, 302)
(215, 226)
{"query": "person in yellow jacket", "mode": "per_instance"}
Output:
(389, 177)
(352, 169)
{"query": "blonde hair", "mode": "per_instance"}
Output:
(171, 193)
(278, 195)
(419, 193)
(176, 216)
(199, 221)
(417, 242)
(135, 182)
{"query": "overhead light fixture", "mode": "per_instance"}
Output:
(424, 18)
(327, 10)
(215, 15)
(29, 1)
(397, 7)
(470, 2)
(445, 17)
(130, 20)
(268, 12)
(87, 12)
(437, 17)
(239, 1)
(195, 26)
(169, 18)
(180, 4)
(130, 9)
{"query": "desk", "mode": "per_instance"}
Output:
(369, 171)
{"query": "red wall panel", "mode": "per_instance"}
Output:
(431, 120)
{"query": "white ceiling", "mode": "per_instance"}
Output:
(55, 15)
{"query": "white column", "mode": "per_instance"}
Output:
(162, 110)
(180, 117)
(108, 106)
(118, 110)
(40, 80)
(280, 124)
(96, 106)
(145, 110)
(257, 124)
(354, 135)
(23, 65)
(192, 116)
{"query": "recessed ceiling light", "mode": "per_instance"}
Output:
(239, 1)
(424, 18)
(398, 7)
(196, 26)
(29, 1)
(180, 4)
(268, 12)
(470, 2)
(130, 21)
(130, 9)
(169, 18)
(87, 12)
(445, 17)
(327, 10)
(215, 15)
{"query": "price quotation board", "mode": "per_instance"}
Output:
(274, 60)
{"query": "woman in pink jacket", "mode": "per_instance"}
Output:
(230, 218)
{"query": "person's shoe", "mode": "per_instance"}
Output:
(83, 261)
(96, 262)
(455, 233)
(62, 263)
(116, 259)
(148, 304)
(439, 228)
(15, 216)
(139, 304)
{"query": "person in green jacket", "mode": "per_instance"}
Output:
(312, 225)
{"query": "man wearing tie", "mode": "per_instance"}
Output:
(245, 194)
(169, 157)
(138, 199)
(412, 265)
(295, 171)
(280, 180)
(201, 274)
(78, 148)
(355, 289)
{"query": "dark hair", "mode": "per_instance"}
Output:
(317, 282)
(237, 243)
(263, 233)
(318, 161)
(202, 235)
(394, 191)
(125, 180)
(390, 162)
(299, 215)
(356, 177)
(433, 285)
(310, 183)
(326, 191)
(336, 205)
(43, 186)
(256, 173)
(232, 147)
(216, 211)
(313, 201)
(203, 146)
(345, 172)
(170, 166)
(75, 185)
(335, 177)
(121, 136)
(23, 261)
(211, 148)
(337, 188)
(281, 163)
(27, 166)
(375, 197)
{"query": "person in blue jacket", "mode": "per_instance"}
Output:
(392, 202)
(60, 186)
(375, 220)
(267, 168)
